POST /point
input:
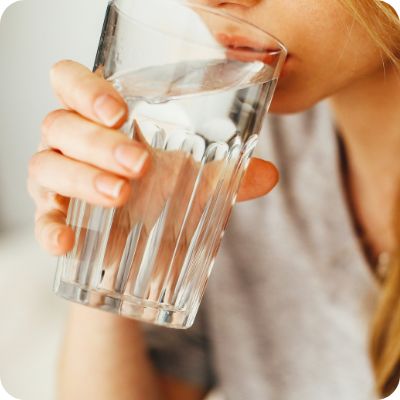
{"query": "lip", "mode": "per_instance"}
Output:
(246, 49)
(238, 42)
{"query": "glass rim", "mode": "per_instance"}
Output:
(223, 14)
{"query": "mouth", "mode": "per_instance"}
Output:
(246, 49)
(242, 43)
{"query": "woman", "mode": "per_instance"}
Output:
(308, 280)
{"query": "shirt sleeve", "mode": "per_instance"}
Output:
(183, 354)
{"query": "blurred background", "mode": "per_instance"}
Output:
(34, 35)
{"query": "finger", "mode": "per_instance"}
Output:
(46, 200)
(260, 178)
(78, 89)
(83, 140)
(70, 178)
(53, 235)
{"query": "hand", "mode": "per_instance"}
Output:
(83, 155)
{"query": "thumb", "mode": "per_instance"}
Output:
(260, 178)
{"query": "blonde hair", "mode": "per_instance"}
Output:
(382, 23)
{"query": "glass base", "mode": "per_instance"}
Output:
(126, 306)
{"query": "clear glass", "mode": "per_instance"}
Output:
(198, 84)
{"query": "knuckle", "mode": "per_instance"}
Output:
(94, 138)
(35, 164)
(77, 181)
(49, 121)
(58, 67)
(88, 88)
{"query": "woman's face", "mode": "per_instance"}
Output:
(327, 50)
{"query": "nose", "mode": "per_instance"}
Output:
(218, 3)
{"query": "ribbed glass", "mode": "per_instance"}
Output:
(198, 108)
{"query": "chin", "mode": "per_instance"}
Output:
(297, 90)
(291, 101)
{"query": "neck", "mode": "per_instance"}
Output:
(368, 117)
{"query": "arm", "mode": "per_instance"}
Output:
(104, 357)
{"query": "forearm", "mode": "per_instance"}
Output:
(104, 358)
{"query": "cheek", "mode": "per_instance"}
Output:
(314, 35)
(304, 84)
(303, 25)
(325, 57)
(327, 50)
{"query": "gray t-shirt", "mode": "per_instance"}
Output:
(289, 304)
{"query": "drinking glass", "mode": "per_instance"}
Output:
(198, 83)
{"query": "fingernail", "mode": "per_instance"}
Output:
(109, 110)
(131, 157)
(109, 186)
